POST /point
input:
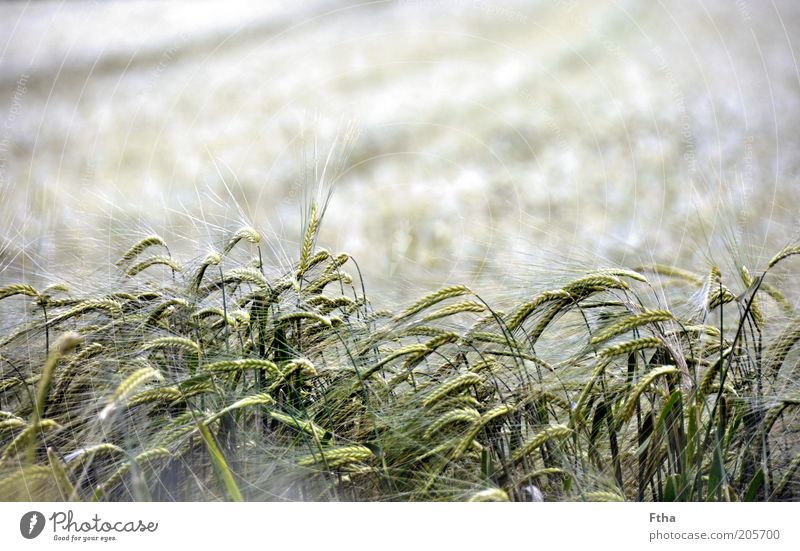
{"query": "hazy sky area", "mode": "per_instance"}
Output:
(490, 136)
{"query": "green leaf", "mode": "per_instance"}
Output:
(220, 465)
(716, 475)
(674, 398)
(486, 465)
(671, 488)
(755, 485)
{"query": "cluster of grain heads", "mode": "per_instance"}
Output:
(235, 380)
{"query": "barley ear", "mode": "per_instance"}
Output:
(138, 248)
(309, 237)
(630, 404)
(18, 289)
(433, 298)
(247, 233)
(786, 252)
(491, 494)
(555, 431)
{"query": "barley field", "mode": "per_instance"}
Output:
(404, 250)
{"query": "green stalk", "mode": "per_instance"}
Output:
(220, 465)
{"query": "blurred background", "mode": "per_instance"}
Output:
(467, 140)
